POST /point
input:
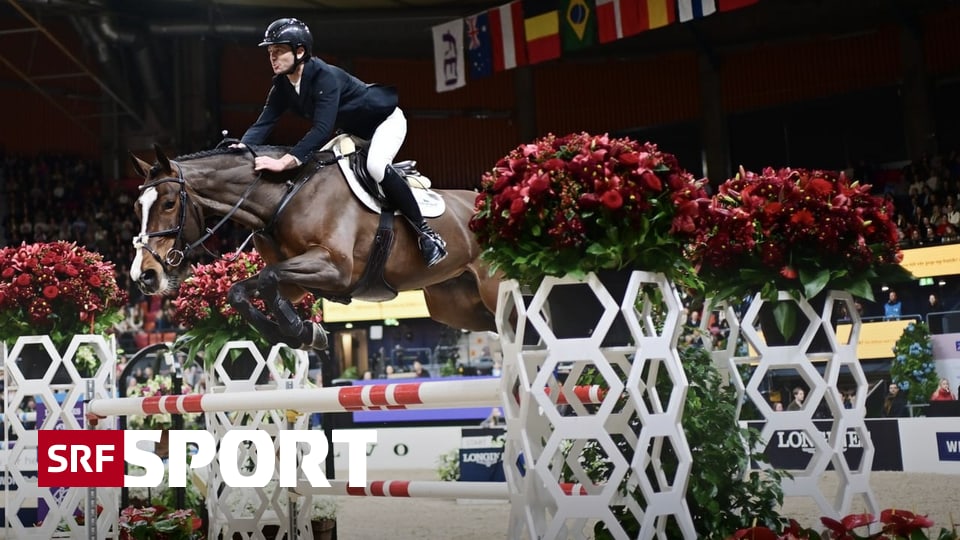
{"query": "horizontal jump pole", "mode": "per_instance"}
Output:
(368, 397)
(424, 489)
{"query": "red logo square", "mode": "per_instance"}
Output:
(84, 458)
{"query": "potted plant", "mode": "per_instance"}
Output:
(793, 245)
(893, 524)
(323, 516)
(913, 369)
(59, 290)
(159, 523)
(795, 230)
(202, 307)
(584, 203)
(596, 227)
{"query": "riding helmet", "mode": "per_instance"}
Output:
(292, 32)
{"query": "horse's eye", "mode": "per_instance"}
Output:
(168, 205)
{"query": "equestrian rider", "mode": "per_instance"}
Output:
(332, 98)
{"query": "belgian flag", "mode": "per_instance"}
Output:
(541, 24)
(578, 24)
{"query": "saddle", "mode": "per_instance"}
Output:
(353, 164)
(350, 154)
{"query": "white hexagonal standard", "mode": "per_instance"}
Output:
(539, 507)
(28, 493)
(824, 389)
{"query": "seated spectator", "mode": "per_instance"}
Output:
(943, 393)
(894, 404)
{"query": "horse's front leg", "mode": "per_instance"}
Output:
(239, 297)
(309, 334)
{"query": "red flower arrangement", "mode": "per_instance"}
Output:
(202, 307)
(796, 230)
(896, 524)
(57, 289)
(159, 523)
(582, 203)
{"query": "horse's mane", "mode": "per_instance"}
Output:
(226, 150)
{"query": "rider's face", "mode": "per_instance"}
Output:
(281, 58)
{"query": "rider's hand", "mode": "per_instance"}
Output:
(266, 163)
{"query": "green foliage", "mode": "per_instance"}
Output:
(350, 373)
(912, 368)
(722, 494)
(448, 368)
(448, 467)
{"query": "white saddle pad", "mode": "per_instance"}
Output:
(431, 203)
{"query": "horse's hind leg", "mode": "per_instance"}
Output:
(457, 302)
(239, 297)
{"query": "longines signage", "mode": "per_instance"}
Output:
(792, 449)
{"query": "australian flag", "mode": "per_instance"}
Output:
(479, 49)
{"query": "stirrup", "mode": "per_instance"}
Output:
(432, 248)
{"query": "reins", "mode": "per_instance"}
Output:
(175, 256)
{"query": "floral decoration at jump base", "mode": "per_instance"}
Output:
(57, 302)
(562, 216)
(203, 309)
(238, 359)
(794, 247)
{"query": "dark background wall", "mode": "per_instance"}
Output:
(799, 83)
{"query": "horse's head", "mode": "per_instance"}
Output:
(168, 223)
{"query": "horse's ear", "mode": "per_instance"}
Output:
(142, 168)
(162, 158)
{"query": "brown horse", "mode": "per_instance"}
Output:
(312, 232)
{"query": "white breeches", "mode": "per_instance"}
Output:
(385, 143)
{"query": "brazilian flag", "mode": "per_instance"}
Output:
(578, 24)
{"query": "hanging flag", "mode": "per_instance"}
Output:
(687, 10)
(506, 36)
(541, 26)
(448, 55)
(660, 13)
(618, 19)
(608, 21)
(578, 24)
(479, 52)
(730, 5)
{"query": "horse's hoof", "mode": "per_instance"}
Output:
(318, 341)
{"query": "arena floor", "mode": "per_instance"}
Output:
(413, 519)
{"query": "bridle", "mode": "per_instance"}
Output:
(176, 256)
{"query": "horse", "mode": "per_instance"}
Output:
(313, 234)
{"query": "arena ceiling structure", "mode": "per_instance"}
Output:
(88, 49)
(122, 51)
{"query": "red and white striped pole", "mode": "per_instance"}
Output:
(426, 488)
(369, 397)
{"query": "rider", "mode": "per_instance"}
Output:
(330, 97)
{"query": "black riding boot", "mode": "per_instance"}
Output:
(432, 247)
